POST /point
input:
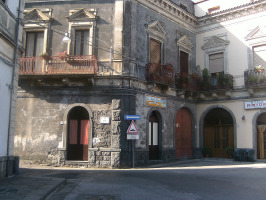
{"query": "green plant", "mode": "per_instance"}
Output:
(253, 79)
(229, 150)
(205, 79)
(44, 54)
(206, 151)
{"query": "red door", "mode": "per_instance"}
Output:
(183, 135)
(78, 140)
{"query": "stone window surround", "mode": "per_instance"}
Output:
(250, 51)
(156, 35)
(187, 48)
(218, 49)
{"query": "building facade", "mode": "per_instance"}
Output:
(159, 60)
(10, 53)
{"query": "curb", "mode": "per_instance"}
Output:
(43, 192)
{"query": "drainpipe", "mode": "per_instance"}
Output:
(11, 86)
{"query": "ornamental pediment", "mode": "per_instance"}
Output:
(157, 29)
(185, 41)
(258, 32)
(36, 15)
(82, 15)
(215, 42)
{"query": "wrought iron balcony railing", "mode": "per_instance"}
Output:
(54, 65)
(163, 74)
(187, 81)
(255, 78)
(219, 82)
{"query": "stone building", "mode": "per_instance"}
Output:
(10, 53)
(87, 64)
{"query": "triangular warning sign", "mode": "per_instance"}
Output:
(132, 128)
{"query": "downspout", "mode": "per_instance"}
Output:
(11, 86)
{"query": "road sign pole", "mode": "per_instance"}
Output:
(133, 154)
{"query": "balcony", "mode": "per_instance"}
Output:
(255, 78)
(187, 81)
(160, 74)
(220, 81)
(54, 65)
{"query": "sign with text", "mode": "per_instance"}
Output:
(255, 104)
(155, 101)
(132, 117)
(132, 131)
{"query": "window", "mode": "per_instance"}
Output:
(34, 43)
(259, 56)
(213, 9)
(216, 65)
(184, 61)
(81, 46)
(155, 51)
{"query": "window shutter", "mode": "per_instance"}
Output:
(183, 61)
(259, 56)
(216, 63)
(155, 51)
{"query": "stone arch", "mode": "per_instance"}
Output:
(254, 130)
(63, 145)
(160, 131)
(201, 123)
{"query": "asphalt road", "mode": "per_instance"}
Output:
(206, 180)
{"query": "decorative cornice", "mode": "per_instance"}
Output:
(185, 42)
(157, 29)
(214, 42)
(170, 10)
(82, 15)
(232, 13)
(258, 32)
(36, 15)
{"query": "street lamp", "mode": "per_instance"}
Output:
(66, 39)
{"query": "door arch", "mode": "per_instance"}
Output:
(154, 136)
(261, 136)
(78, 134)
(183, 134)
(218, 132)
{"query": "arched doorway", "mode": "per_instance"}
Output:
(78, 134)
(183, 134)
(154, 136)
(261, 136)
(218, 132)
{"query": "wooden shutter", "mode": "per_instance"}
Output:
(84, 134)
(81, 42)
(259, 56)
(73, 132)
(34, 43)
(216, 63)
(155, 51)
(183, 61)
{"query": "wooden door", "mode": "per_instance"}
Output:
(183, 135)
(78, 140)
(218, 138)
(184, 62)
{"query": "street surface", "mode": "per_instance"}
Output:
(206, 180)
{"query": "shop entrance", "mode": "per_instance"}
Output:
(78, 134)
(154, 136)
(218, 132)
(183, 134)
(261, 136)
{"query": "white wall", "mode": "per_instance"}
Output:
(5, 80)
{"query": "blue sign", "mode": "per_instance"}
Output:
(132, 117)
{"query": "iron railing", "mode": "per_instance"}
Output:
(255, 78)
(56, 65)
(163, 74)
(187, 81)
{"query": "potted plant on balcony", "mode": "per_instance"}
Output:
(63, 55)
(205, 80)
(45, 56)
(258, 69)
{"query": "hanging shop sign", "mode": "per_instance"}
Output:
(132, 131)
(255, 104)
(155, 101)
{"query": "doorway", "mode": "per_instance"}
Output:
(154, 136)
(183, 134)
(218, 132)
(78, 134)
(261, 136)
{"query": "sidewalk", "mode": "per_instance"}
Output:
(29, 185)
